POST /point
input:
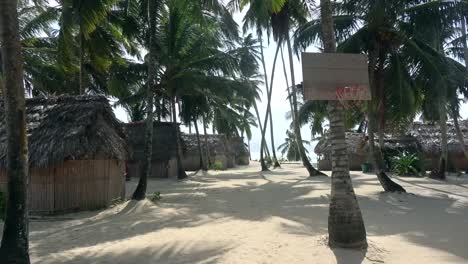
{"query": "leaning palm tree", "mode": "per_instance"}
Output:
(15, 242)
(293, 12)
(145, 172)
(258, 17)
(345, 223)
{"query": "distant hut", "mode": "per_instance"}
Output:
(218, 147)
(358, 150)
(77, 151)
(240, 151)
(429, 137)
(164, 159)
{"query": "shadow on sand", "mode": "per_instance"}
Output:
(285, 194)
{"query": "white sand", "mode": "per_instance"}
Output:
(237, 216)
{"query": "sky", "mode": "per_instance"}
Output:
(279, 105)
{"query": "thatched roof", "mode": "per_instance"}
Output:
(217, 143)
(420, 137)
(164, 140)
(429, 136)
(353, 140)
(238, 146)
(358, 144)
(68, 128)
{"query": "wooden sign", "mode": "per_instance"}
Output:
(335, 76)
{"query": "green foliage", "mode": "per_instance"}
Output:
(406, 164)
(289, 147)
(2, 205)
(218, 165)
(156, 196)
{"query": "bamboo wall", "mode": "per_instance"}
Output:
(160, 168)
(74, 185)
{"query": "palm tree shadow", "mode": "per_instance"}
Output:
(349, 256)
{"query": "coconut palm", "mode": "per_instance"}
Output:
(258, 17)
(289, 147)
(345, 223)
(153, 8)
(15, 243)
(196, 62)
(435, 25)
(193, 107)
(294, 12)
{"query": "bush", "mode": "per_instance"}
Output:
(2, 206)
(156, 196)
(406, 164)
(218, 165)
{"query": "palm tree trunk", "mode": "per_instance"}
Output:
(381, 96)
(267, 151)
(207, 149)
(265, 123)
(376, 156)
(287, 84)
(250, 155)
(273, 149)
(465, 45)
(15, 242)
(297, 129)
(82, 58)
(440, 172)
(377, 161)
(269, 87)
(158, 110)
(181, 174)
(146, 163)
(460, 135)
(200, 151)
(345, 223)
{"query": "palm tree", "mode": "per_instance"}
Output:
(401, 64)
(87, 16)
(193, 107)
(15, 242)
(258, 17)
(294, 11)
(345, 223)
(436, 23)
(289, 147)
(146, 166)
(196, 63)
(269, 89)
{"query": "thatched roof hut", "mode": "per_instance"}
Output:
(219, 150)
(354, 141)
(241, 151)
(164, 148)
(76, 153)
(68, 128)
(422, 138)
(358, 149)
(428, 134)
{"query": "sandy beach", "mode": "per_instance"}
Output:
(241, 216)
